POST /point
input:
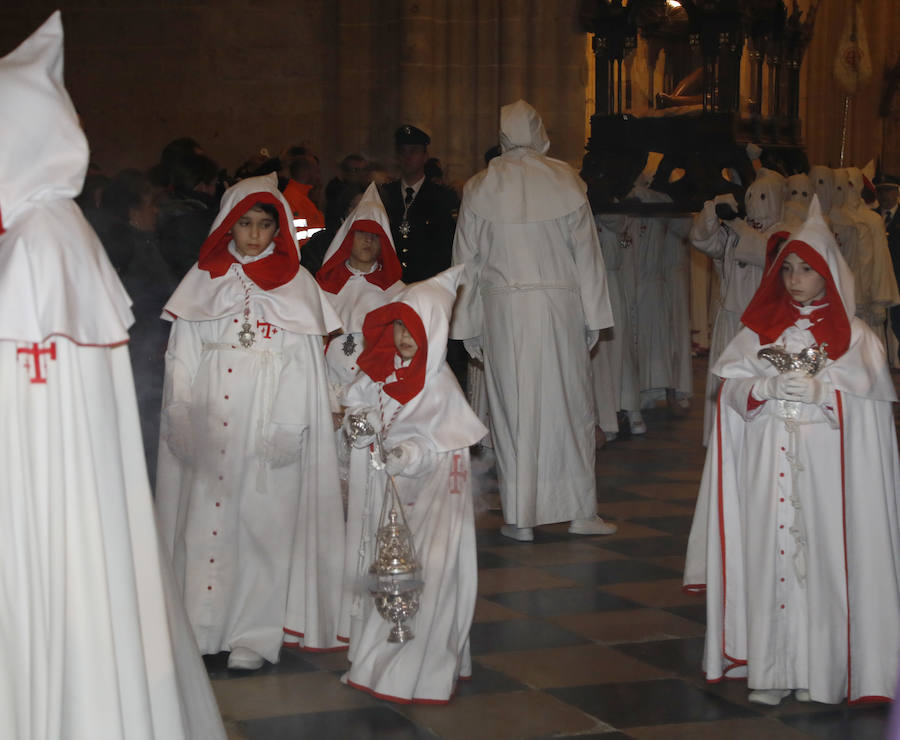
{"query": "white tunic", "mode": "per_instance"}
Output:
(534, 284)
(794, 536)
(614, 359)
(837, 632)
(94, 643)
(248, 495)
(436, 427)
(247, 492)
(438, 508)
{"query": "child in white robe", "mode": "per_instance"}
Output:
(248, 495)
(360, 272)
(411, 396)
(794, 537)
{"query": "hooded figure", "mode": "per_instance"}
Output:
(93, 638)
(360, 272)
(534, 296)
(795, 533)
(248, 495)
(881, 281)
(411, 396)
(738, 249)
(661, 289)
(798, 192)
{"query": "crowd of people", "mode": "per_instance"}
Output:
(300, 365)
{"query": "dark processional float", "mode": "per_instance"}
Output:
(695, 81)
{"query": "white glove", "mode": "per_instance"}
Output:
(178, 431)
(591, 336)
(372, 418)
(398, 458)
(705, 225)
(283, 446)
(805, 389)
(473, 347)
(774, 387)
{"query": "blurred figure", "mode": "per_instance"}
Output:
(353, 169)
(131, 243)
(94, 641)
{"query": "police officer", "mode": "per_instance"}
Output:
(422, 214)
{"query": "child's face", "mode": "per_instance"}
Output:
(365, 250)
(802, 283)
(253, 232)
(403, 341)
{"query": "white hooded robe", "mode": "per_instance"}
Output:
(94, 642)
(534, 285)
(435, 489)
(795, 534)
(248, 496)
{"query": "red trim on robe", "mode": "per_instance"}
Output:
(305, 648)
(397, 699)
(111, 345)
(334, 274)
(377, 359)
(278, 268)
(1, 222)
(771, 310)
(840, 412)
(735, 662)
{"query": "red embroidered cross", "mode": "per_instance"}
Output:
(34, 363)
(267, 329)
(456, 473)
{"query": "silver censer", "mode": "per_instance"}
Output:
(395, 576)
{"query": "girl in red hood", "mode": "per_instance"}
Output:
(795, 533)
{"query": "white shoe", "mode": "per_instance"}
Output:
(244, 659)
(769, 697)
(802, 695)
(636, 421)
(522, 534)
(592, 525)
(611, 436)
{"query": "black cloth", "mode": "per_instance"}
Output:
(892, 229)
(312, 253)
(149, 281)
(183, 226)
(427, 249)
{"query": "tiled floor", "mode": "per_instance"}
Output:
(573, 636)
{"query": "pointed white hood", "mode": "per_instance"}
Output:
(55, 277)
(432, 403)
(798, 193)
(764, 200)
(822, 179)
(523, 185)
(351, 294)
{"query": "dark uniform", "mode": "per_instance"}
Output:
(423, 231)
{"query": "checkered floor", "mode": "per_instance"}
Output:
(573, 636)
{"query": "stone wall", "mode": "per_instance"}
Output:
(337, 75)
